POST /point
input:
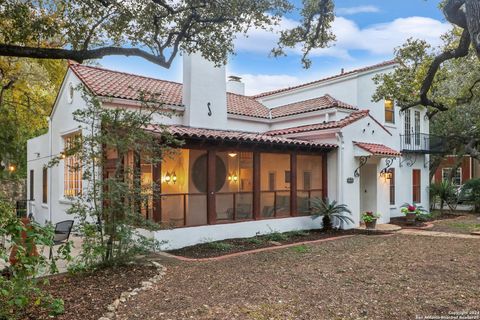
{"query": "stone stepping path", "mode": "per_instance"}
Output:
(416, 232)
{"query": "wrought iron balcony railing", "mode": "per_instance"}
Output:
(422, 143)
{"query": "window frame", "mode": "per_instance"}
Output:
(459, 172)
(389, 110)
(32, 185)
(407, 127)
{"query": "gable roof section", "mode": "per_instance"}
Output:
(321, 103)
(377, 149)
(114, 84)
(364, 69)
(353, 117)
(238, 136)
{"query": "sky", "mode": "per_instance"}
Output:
(367, 33)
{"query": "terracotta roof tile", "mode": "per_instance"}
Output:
(322, 126)
(190, 132)
(115, 84)
(315, 104)
(377, 149)
(375, 66)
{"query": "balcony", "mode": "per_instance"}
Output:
(422, 143)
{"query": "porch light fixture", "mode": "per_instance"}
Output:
(386, 172)
(232, 177)
(11, 168)
(232, 154)
(170, 177)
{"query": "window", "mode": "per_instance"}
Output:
(392, 186)
(417, 128)
(389, 111)
(45, 185)
(408, 124)
(72, 175)
(31, 185)
(456, 179)
(416, 187)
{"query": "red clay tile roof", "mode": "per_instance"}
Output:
(322, 126)
(315, 104)
(115, 84)
(224, 135)
(377, 149)
(368, 68)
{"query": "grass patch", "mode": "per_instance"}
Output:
(254, 240)
(276, 236)
(298, 233)
(465, 226)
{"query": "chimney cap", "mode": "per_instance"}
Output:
(342, 71)
(235, 78)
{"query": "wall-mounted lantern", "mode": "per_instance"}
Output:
(232, 177)
(170, 177)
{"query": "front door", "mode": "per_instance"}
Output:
(368, 188)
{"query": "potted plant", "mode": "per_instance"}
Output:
(330, 211)
(411, 212)
(370, 219)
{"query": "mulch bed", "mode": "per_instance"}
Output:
(402, 221)
(86, 296)
(229, 246)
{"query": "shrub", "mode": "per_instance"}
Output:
(220, 246)
(443, 192)
(330, 212)
(471, 193)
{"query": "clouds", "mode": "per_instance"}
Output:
(375, 39)
(257, 83)
(356, 10)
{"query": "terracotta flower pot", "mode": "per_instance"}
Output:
(411, 217)
(371, 224)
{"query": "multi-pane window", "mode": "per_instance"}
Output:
(408, 124)
(416, 186)
(392, 186)
(456, 179)
(389, 111)
(417, 128)
(72, 176)
(45, 185)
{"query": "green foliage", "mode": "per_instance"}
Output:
(158, 30)
(369, 216)
(443, 192)
(220, 246)
(254, 240)
(108, 211)
(276, 236)
(19, 286)
(27, 92)
(471, 193)
(412, 208)
(330, 212)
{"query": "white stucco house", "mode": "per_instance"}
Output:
(250, 163)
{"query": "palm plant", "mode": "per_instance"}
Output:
(444, 192)
(329, 211)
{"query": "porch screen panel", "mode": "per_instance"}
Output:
(146, 183)
(234, 175)
(309, 181)
(416, 187)
(184, 188)
(275, 185)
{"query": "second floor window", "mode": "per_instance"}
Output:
(72, 175)
(389, 111)
(408, 124)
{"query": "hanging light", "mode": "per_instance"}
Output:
(232, 154)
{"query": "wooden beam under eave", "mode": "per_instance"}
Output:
(324, 176)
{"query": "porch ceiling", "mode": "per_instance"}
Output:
(363, 149)
(240, 137)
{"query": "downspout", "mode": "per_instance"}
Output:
(50, 175)
(339, 137)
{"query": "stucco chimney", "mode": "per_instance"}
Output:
(204, 93)
(235, 85)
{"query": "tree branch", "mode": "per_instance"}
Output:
(79, 55)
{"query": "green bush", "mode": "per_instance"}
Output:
(470, 193)
(19, 283)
